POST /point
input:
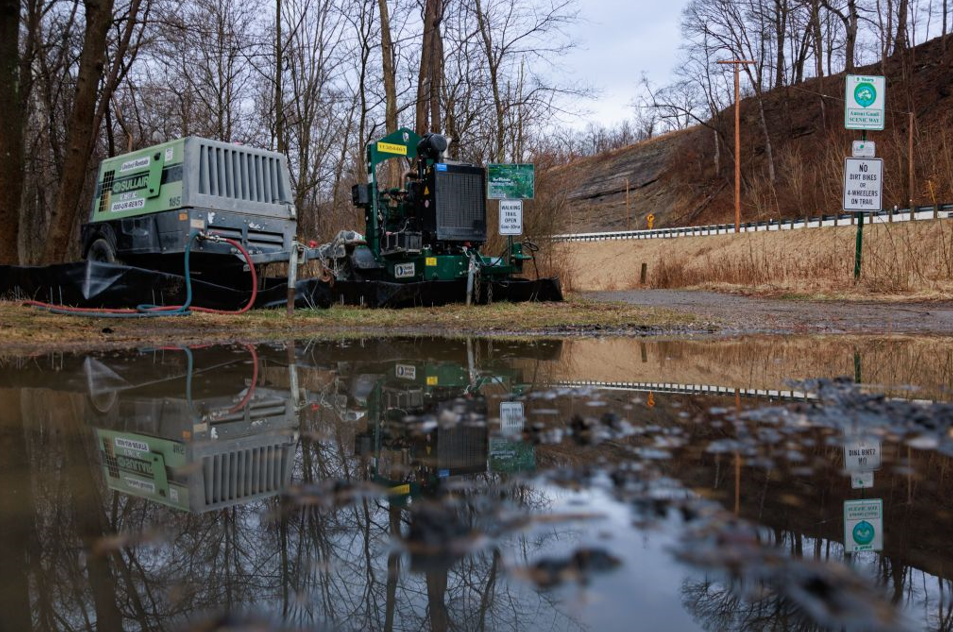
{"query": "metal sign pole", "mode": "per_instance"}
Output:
(859, 242)
(859, 246)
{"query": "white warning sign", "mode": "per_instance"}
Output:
(512, 418)
(863, 184)
(511, 217)
(862, 455)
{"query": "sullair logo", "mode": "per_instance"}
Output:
(130, 185)
(134, 465)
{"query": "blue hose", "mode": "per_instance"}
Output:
(145, 311)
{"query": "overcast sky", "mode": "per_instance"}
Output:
(617, 41)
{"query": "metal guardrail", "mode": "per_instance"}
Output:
(688, 389)
(709, 389)
(943, 211)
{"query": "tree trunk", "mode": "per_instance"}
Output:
(436, 68)
(11, 132)
(900, 41)
(80, 136)
(390, 89)
(279, 91)
(850, 41)
(17, 511)
(818, 38)
(425, 75)
(946, 17)
(717, 152)
(780, 29)
(390, 81)
(768, 151)
(492, 65)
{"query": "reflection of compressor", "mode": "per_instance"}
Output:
(162, 442)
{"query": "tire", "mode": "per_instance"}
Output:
(101, 250)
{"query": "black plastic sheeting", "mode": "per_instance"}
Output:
(432, 293)
(93, 284)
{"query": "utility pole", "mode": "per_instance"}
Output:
(737, 63)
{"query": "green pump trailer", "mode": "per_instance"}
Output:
(424, 235)
(148, 202)
(431, 227)
(422, 241)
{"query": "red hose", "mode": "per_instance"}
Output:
(254, 376)
(254, 382)
(254, 291)
(168, 308)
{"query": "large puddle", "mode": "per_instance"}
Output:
(432, 484)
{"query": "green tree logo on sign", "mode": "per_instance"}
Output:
(865, 94)
(863, 532)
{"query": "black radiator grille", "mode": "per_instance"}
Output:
(461, 205)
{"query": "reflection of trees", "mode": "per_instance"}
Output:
(719, 602)
(716, 605)
(63, 557)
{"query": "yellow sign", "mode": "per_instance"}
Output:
(392, 148)
(399, 490)
(431, 261)
(432, 380)
(650, 219)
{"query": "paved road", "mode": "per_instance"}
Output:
(739, 313)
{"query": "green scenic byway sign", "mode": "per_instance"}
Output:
(865, 102)
(515, 181)
(863, 525)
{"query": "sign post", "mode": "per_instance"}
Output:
(863, 184)
(862, 457)
(510, 184)
(865, 99)
(863, 525)
(863, 193)
(511, 217)
(510, 181)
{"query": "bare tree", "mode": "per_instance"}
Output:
(84, 122)
(13, 103)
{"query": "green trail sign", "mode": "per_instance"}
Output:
(863, 525)
(516, 181)
(865, 100)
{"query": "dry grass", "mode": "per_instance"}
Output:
(24, 329)
(899, 260)
(766, 362)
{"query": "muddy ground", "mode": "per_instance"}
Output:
(28, 330)
(628, 313)
(739, 314)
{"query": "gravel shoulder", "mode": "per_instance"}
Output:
(764, 315)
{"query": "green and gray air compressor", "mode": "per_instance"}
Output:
(148, 202)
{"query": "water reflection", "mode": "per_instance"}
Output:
(183, 440)
(464, 484)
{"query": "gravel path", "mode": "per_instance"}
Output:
(743, 314)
